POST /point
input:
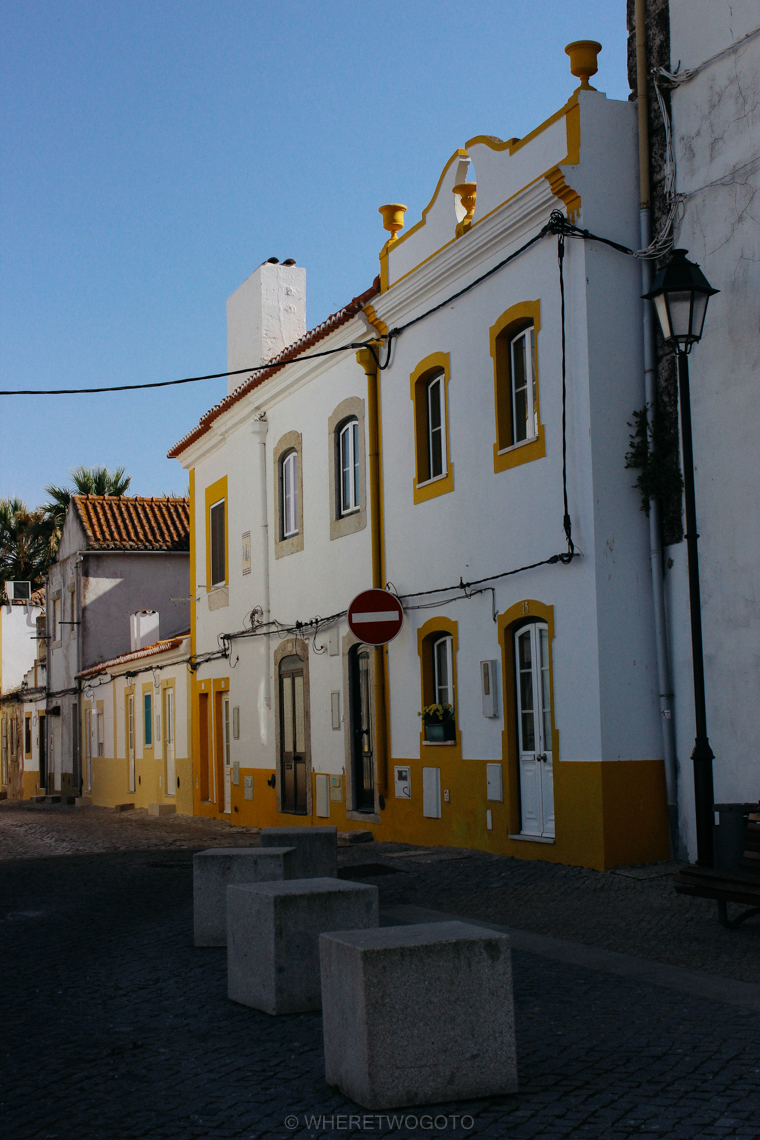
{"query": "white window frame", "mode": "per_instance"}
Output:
(438, 381)
(348, 463)
(216, 581)
(446, 641)
(528, 336)
(289, 477)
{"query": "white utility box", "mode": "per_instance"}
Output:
(489, 687)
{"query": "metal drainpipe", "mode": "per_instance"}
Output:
(650, 390)
(259, 429)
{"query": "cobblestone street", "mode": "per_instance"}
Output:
(114, 1026)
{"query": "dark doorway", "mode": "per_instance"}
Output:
(362, 757)
(292, 736)
(42, 733)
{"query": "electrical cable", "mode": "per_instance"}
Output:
(185, 380)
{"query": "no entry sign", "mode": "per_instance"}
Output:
(375, 616)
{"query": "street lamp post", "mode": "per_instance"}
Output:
(680, 292)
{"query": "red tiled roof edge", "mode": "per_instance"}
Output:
(122, 522)
(308, 340)
(137, 655)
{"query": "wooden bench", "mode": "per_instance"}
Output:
(740, 885)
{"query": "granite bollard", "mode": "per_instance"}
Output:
(273, 934)
(215, 868)
(417, 1015)
(317, 849)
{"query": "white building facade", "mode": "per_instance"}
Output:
(324, 476)
(716, 142)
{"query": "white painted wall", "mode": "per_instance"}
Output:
(716, 130)
(17, 643)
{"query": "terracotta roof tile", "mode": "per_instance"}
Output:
(308, 340)
(136, 655)
(114, 522)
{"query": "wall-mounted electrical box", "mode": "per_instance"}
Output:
(322, 784)
(489, 688)
(335, 709)
(336, 789)
(248, 788)
(403, 784)
(431, 793)
(235, 775)
(494, 786)
(333, 641)
(235, 723)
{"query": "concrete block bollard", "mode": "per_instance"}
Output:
(418, 1015)
(215, 868)
(317, 849)
(273, 934)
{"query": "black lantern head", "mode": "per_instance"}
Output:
(680, 292)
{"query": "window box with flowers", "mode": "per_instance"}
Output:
(439, 724)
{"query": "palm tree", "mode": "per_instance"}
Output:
(87, 481)
(24, 547)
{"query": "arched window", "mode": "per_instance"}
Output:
(443, 672)
(523, 385)
(434, 470)
(435, 428)
(514, 341)
(348, 462)
(289, 499)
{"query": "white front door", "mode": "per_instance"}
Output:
(534, 730)
(131, 740)
(226, 756)
(169, 742)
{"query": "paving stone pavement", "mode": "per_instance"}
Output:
(114, 1027)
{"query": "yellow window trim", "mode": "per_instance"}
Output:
(215, 493)
(510, 321)
(438, 625)
(191, 493)
(430, 488)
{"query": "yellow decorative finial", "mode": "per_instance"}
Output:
(467, 192)
(393, 218)
(583, 55)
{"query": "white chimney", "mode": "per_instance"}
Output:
(265, 315)
(143, 629)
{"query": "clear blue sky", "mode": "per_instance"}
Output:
(155, 152)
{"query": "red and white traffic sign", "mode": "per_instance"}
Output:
(375, 616)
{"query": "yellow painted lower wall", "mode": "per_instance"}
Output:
(110, 783)
(31, 787)
(608, 814)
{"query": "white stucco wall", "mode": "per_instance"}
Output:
(18, 644)
(716, 130)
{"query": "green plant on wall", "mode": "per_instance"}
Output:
(656, 460)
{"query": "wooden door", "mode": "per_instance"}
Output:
(131, 741)
(292, 736)
(42, 745)
(88, 749)
(534, 730)
(362, 752)
(203, 749)
(169, 741)
(226, 755)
